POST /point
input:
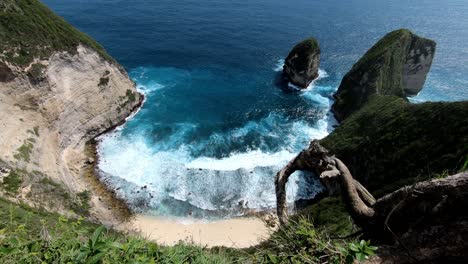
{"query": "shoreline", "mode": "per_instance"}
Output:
(241, 232)
(120, 211)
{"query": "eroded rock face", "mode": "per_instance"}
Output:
(396, 65)
(417, 65)
(302, 64)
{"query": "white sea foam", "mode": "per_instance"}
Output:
(279, 65)
(169, 169)
(205, 182)
(248, 160)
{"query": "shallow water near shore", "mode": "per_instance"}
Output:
(217, 123)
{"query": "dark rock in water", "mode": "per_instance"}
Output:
(302, 64)
(6, 74)
(396, 65)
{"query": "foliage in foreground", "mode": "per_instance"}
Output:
(300, 242)
(31, 236)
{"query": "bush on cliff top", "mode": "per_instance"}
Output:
(29, 30)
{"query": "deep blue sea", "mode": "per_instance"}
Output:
(216, 125)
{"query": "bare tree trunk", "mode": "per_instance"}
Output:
(401, 208)
(428, 220)
(332, 172)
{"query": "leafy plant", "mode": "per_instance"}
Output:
(359, 251)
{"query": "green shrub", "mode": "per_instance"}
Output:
(103, 81)
(131, 95)
(36, 72)
(12, 181)
(24, 152)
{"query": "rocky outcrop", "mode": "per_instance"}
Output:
(302, 64)
(396, 65)
(52, 102)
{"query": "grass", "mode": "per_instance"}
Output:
(330, 215)
(29, 30)
(24, 151)
(464, 166)
(29, 235)
(299, 241)
(34, 236)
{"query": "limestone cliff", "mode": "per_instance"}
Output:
(58, 90)
(396, 65)
(302, 64)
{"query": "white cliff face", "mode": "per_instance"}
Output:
(416, 68)
(78, 97)
(79, 94)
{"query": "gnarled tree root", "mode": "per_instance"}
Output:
(415, 206)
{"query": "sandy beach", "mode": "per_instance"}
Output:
(236, 232)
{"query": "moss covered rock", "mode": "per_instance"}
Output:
(390, 139)
(302, 64)
(396, 65)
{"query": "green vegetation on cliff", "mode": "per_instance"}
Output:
(382, 71)
(29, 30)
(391, 42)
(390, 140)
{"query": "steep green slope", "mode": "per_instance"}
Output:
(29, 30)
(390, 139)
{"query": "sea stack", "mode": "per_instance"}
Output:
(396, 65)
(302, 64)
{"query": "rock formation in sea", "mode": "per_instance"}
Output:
(302, 64)
(399, 152)
(396, 65)
(58, 90)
